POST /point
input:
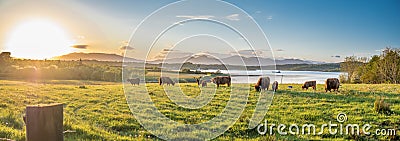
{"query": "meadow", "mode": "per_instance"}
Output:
(99, 111)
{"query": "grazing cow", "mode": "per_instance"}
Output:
(202, 82)
(332, 83)
(220, 80)
(308, 84)
(262, 84)
(134, 81)
(275, 86)
(166, 80)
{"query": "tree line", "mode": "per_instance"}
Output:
(58, 70)
(383, 68)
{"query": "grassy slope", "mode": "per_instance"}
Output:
(100, 111)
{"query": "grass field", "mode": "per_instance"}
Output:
(100, 111)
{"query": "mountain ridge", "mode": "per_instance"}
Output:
(199, 59)
(95, 56)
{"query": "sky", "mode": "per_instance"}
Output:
(318, 30)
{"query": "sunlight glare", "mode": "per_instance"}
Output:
(38, 40)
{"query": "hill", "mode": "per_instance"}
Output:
(328, 67)
(235, 60)
(199, 59)
(95, 56)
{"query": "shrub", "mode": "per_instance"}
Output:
(381, 106)
(186, 70)
(343, 78)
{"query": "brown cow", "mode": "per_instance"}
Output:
(134, 81)
(220, 80)
(202, 82)
(165, 80)
(332, 83)
(262, 84)
(308, 84)
(275, 86)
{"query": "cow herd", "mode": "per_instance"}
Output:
(261, 85)
(330, 84)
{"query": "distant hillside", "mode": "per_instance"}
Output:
(235, 60)
(208, 62)
(94, 56)
(200, 59)
(329, 67)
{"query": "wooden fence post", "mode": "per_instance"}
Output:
(44, 122)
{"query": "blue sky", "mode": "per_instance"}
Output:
(304, 29)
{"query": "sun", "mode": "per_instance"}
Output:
(38, 39)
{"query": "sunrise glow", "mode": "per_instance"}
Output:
(38, 39)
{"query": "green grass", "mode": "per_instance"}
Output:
(100, 111)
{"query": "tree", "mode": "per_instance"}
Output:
(384, 68)
(389, 65)
(5, 61)
(5, 57)
(351, 65)
(186, 70)
(370, 73)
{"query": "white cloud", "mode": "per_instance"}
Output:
(125, 46)
(168, 53)
(251, 53)
(195, 17)
(233, 17)
(217, 55)
(168, 50)
(269, 18)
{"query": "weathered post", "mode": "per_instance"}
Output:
(44, 122)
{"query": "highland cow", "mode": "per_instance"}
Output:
(203, 83)
(200, 81)
(262, 84)
(220, 80)
(275, 86)
(166, 80)
(134, 81)
(332, 83)
(308, 84)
